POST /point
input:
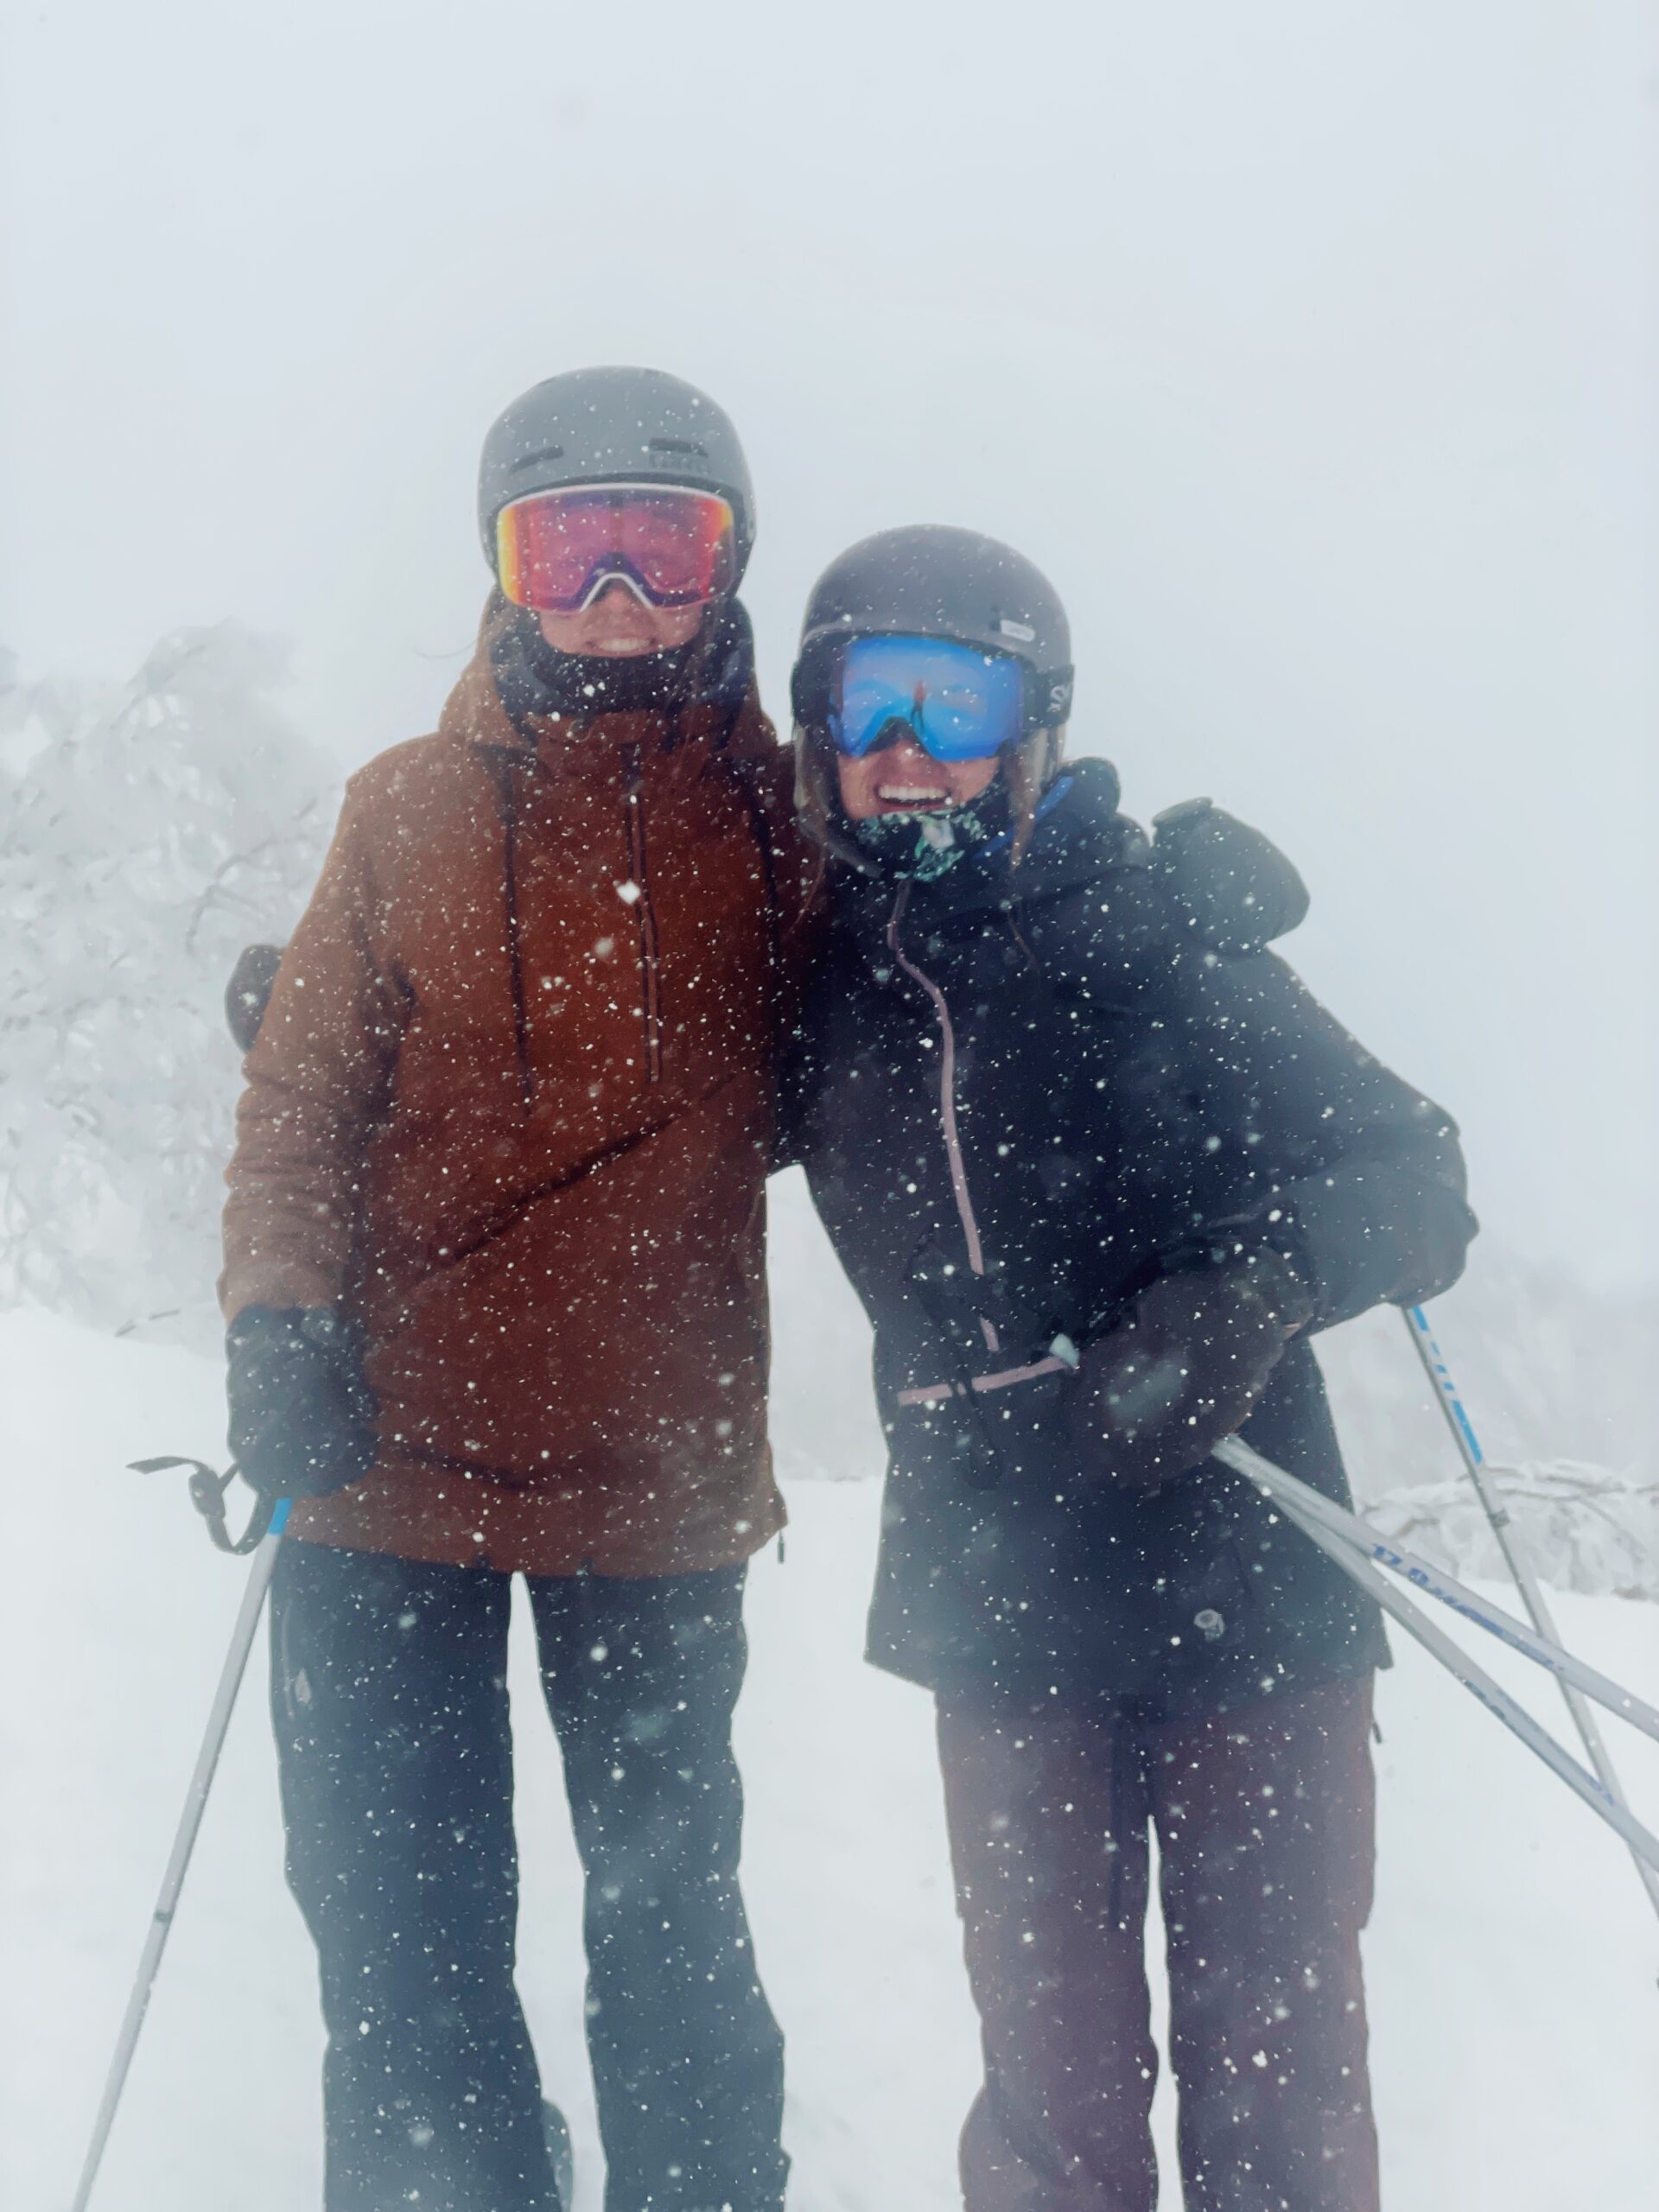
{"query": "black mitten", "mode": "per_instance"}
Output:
(301, 1416)
(1186, 1368)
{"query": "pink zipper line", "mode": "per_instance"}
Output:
(947, 1107)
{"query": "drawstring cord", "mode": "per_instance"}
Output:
(507, 791)
(762, 837)
(502, 766)
(954, 1154)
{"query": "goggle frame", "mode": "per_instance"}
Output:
(710, 572)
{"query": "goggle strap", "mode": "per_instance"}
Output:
(1048, 695)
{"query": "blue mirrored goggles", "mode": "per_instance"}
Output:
(958, 702)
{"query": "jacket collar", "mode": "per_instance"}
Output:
(1079, 834)
(600, 747)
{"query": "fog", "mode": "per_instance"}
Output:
(1309, 346)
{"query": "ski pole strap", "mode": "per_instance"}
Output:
(207, 1489)
(1285, 1490)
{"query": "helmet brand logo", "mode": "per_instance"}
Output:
(1022, 632)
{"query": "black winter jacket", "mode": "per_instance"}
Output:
(1019, 1096)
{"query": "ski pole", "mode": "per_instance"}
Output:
(1280, 1487)
(1451, 1403)
(1423, 1575)
(195, 1804)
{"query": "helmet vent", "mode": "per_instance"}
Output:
(535, 459)
(678, 445)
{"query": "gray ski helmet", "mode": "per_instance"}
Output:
(618, 426)
(933, 582)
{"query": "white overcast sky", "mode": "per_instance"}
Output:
(1311, 346)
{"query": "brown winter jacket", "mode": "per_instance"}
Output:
(512, 1104)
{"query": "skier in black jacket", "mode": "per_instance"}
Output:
(1099, 1166)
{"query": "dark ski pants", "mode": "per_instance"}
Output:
(390, 1698)
(1265, 1819)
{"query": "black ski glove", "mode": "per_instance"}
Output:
(1186, 1368)
(301, 1414)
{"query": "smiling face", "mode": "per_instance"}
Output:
(901, 779)
(619, 624)
(919, 722)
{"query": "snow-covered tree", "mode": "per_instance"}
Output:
(1579, 1527)
(1558, 1377)
(146, 837)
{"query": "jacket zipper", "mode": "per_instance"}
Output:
(649, 949)
(959, 1188)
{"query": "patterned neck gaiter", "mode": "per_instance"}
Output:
(920, 847)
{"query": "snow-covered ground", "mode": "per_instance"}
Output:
(1513, 1959)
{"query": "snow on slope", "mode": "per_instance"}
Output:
(1512, 1961)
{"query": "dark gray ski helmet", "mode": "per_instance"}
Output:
(935, 581)
(613, 425)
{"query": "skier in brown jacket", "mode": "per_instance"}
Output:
(495, 1285)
